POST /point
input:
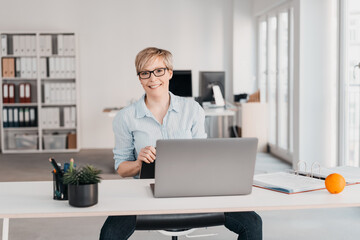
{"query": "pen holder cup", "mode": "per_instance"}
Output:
(60, 190)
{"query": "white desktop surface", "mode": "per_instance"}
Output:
(134, 197)
(219, 112)
(208, 111)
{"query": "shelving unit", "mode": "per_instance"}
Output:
(43, 64)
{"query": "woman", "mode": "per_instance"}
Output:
(160, 115)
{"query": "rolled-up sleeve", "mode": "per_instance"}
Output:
(124, 142)
(198, 127)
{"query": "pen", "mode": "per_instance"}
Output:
(66, 167)
(56, 167)
(71, 164)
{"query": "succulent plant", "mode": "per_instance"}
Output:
(85, 175)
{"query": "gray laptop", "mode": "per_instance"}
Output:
(204, 167)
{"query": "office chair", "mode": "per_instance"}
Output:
(175, 225)
(178, 224)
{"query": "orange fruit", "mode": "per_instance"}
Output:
(335, 183)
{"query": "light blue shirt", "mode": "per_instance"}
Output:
(135, 127)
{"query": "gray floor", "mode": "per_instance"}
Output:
(342, 223)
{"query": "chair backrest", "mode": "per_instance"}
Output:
(147, 170)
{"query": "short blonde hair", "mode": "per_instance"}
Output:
(150, 54)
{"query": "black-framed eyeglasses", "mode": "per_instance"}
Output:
(147, 74)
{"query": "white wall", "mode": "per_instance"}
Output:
(244, 53)
(199, 33)
(318, 81)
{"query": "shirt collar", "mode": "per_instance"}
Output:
(142, 110)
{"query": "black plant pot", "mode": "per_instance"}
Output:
(83, 195)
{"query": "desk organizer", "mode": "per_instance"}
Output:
(60, 190)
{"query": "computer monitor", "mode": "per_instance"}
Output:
(181, 83)
(207, 81)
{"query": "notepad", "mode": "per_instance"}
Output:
(288, 182)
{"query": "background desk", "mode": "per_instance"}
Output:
(134, 197)
(219, 121)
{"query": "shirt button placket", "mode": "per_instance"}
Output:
(164, 132)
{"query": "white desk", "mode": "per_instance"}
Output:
(134, 197)
(217, 122)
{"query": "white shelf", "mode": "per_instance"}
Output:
(20, 56)
(58, 56)
(20, 104)
(21, 151)
(60, 150)
(59, 129)
(21, 129)
(52, 79)
(57, 104)
(42, 45)
(18, 79)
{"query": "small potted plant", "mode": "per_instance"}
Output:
(82, 185)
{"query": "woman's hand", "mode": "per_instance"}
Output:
(147, 154)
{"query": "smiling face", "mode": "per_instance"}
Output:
(156, 86)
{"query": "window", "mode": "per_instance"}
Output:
(350, 83)
(274, 61)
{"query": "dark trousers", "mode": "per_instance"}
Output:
(248, 225)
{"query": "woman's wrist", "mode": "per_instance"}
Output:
(138, 163)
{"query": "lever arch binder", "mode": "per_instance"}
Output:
(351, 174)
(299, 181)
(287, 182)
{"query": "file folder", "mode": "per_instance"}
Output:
(3, 45)
(60, 47)
(11, 88)
(22, 46)
(21, 117)
(42, 45)
(22, 92)
(26, 117)
(5, 92)
(33, 117)
(23, 67)
(5, 118)
(33, 68)
(10, 48)
(27, 92)
(33, 46)
(10, 117)
(16, 45)
(11, 67)
(28, 45)
(5, 67)
(17, 67)
(71, 141)
(16, 117)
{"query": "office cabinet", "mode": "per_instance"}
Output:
(252, 120)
